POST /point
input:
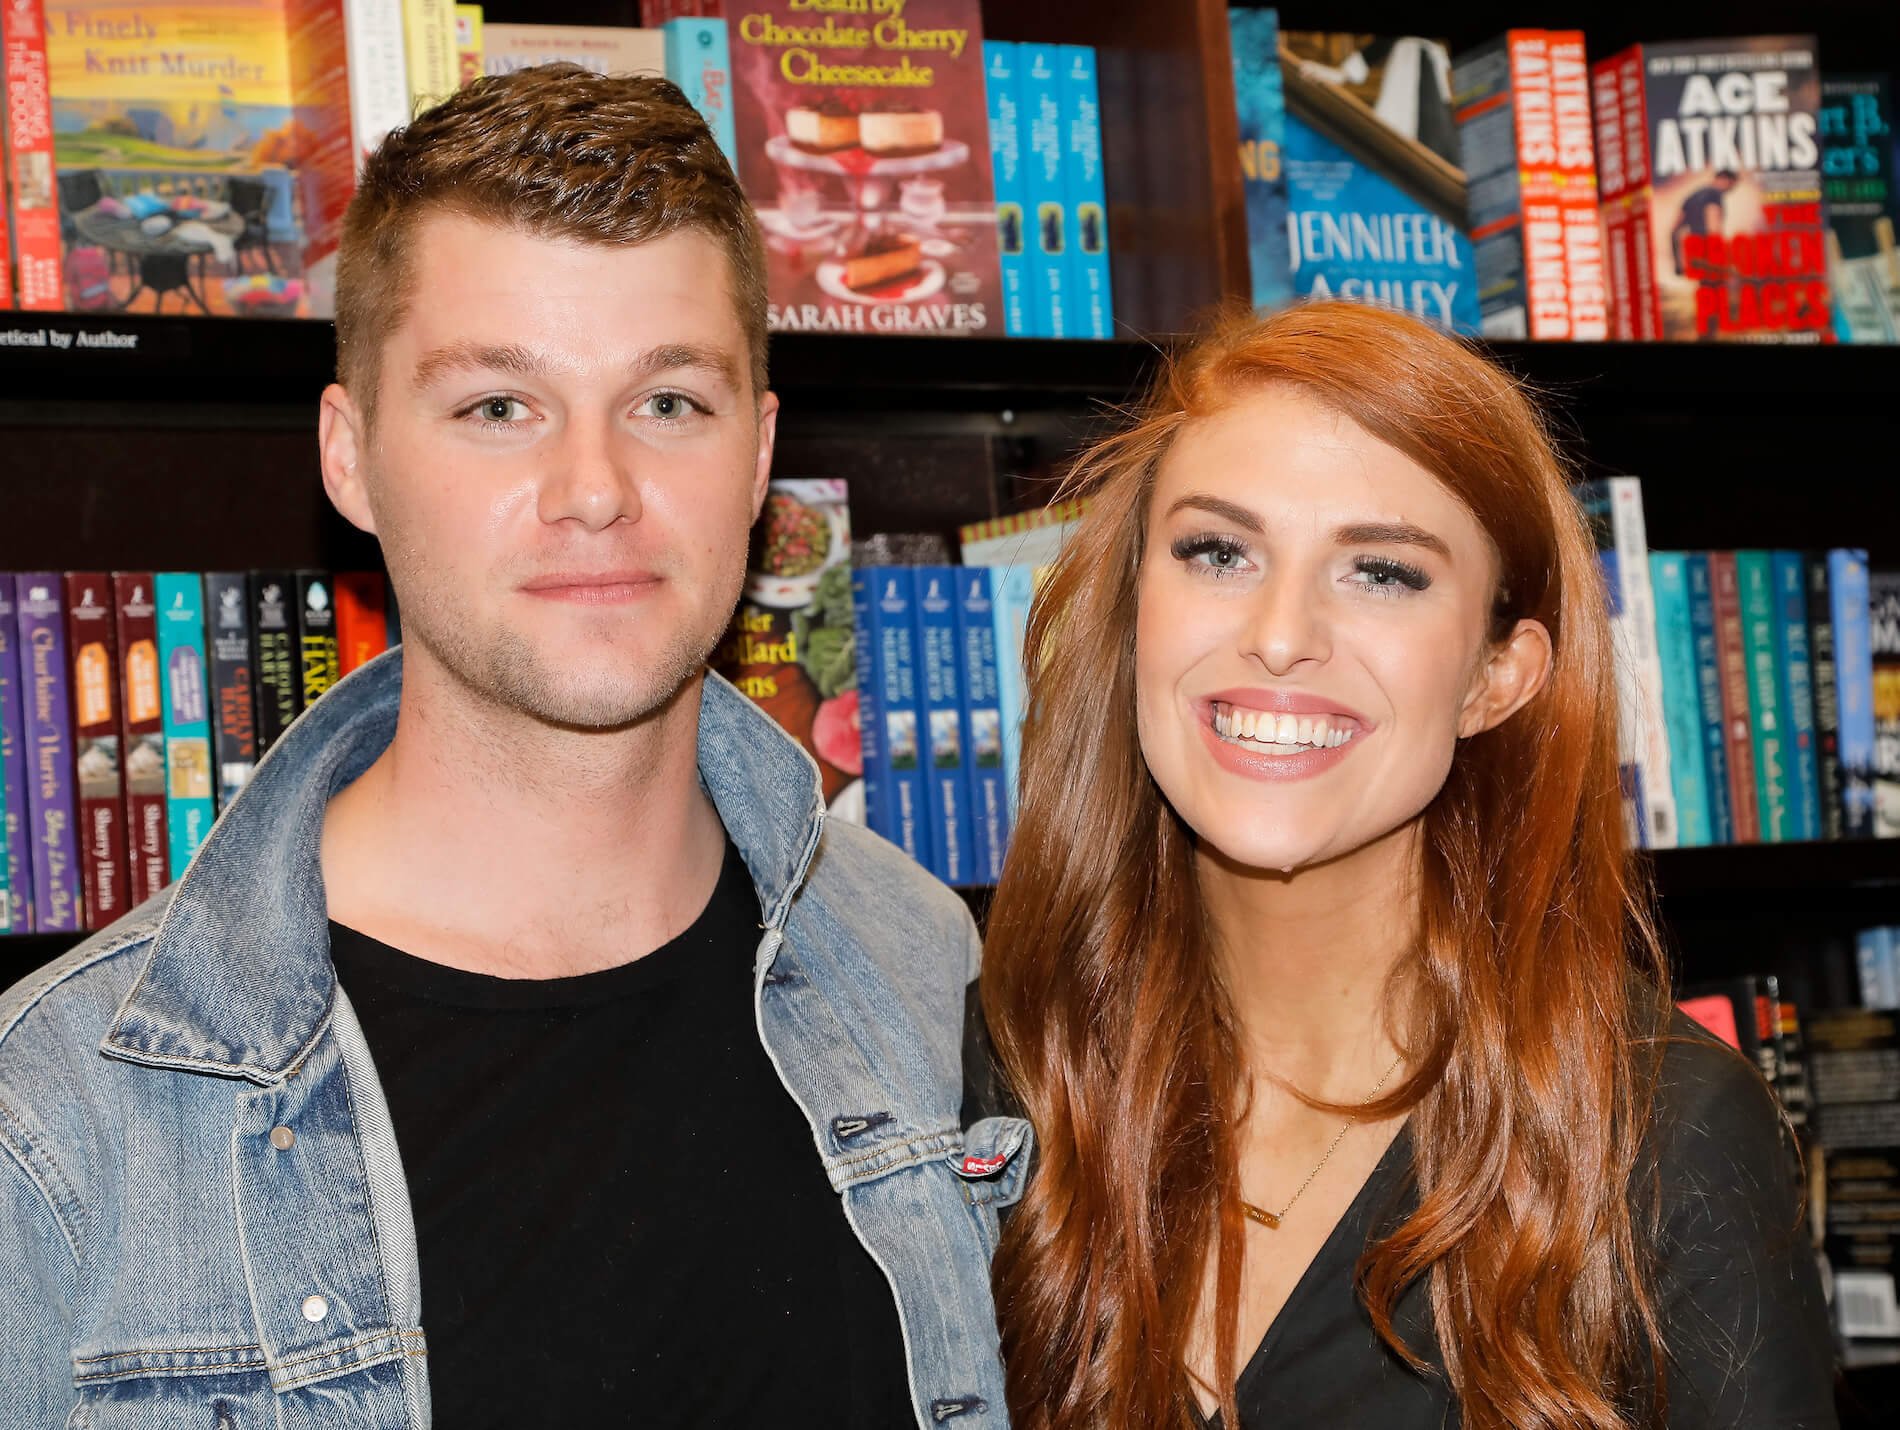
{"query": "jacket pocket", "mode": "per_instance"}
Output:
(993, 1163)
(175, 1400)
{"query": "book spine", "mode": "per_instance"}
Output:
(46, 698)
(1681, 702)
(14, 848)
(362, 618)
(274, 660)
(1040, 107)
(428, 41)
(1612, 184)
(1639, 611)
(29, 155)
(1012, 588)
(699, 61)
(97, 766)
(1873, 961)
(142, 733)
(1760, 621)
(468, 42)
(317, 657)
(1638, 170)
(1796, 693)
(1849, 604)
(1574, 176)
(189, 807)
(1528, 216)
(947, 788)
(1883, 644)
(228, 635)
(1827, 706)
(1087, 194)
(899, 697)
(877, 777)
(378, 72)
(1737, 718)
(1708, 675)
(982, 723)
(1006, 165)
(318, 54)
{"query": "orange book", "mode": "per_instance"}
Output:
(362, 618)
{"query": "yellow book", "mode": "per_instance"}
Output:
(428, 33)
(468, 42)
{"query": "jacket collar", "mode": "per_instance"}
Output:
(239, 981)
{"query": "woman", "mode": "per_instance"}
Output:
(1318, 963)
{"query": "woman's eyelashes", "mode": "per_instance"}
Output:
(1213, 553)
(1219, 556)
(1388, 574)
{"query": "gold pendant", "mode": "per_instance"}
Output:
(1261, 1215)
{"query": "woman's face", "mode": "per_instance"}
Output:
(1311, 633)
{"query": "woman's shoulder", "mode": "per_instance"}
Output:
(1718, 1130)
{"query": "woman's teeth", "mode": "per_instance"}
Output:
(1280, 734)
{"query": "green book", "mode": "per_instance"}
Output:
(1754, 571)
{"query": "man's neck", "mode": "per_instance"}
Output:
(486, 840)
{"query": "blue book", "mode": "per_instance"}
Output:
(947, 781)
(700, 63)
(894, 667)
(1260, 103)
(1797, 694)
(877, 783)
(1854, 686)
(13, 839)
(1761, 650)
(1012, 588)
(1006, 171)
(1093, 308)
(47, 728)
(1045, 203)
(1681, 696)
(1708, 679)
(1875, 960)
(982, 722)
(189, 807)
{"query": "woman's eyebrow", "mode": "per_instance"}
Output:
(1218, 506)
(1390, 533)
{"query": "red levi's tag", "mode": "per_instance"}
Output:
(974, 1166)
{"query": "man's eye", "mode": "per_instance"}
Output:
(501, 410)
(670, 406)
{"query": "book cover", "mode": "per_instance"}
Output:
(1522, 106)
(894, 665)
(362, 618)
(92, 647)
(1376, 196)
(46, 701)
(1260, 106)
(1796, 670)
(1708, 675)
(142, 734)
(1085, 192)
(1761, 619)
(1863, 206)
(1850, 600)
(15, 849)
(699, 60)
(29, 150)
(1827, 705)
(1733, 229)
(792, 647)
(947, 781)
(1025, 538)
(1738, 716)
(189, 791)
(982, 723)
(317, 657)
(1681, 696)
(428, 42)
(1012, 589)
(276, 663)
(862, 143)
(468, 43)
(1050, 273)
(871, 753)
(233, 703)
(604, 49)
(1883, 626)
(1000, 89)
(322, 140)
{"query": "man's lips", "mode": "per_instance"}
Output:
(593, 588)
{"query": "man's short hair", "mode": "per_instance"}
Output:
(556, 151)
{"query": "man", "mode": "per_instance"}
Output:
(1702, 215)
(479, 1057)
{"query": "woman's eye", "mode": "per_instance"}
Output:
(1385, 574)
(1220, 555)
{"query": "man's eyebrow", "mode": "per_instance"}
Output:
(673, 357)
(520, 361)
(1391, 533)
(1219, 506)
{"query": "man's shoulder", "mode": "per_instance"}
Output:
(898, 907)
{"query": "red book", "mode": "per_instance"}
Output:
(1612, 185)
(1732, 661)
(92, 649)
(362, 618)
(29, 155)
(141, 734)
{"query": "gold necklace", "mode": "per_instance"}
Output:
(1272, 1220)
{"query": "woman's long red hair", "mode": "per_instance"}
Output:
(1532, 998)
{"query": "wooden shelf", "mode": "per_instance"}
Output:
(1847, 879)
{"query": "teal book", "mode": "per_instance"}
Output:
(1797, 695)
(1049, 273)
(1260, 106)
(1708, 674)
(1761, 653)
(1087, 195)
(189, 802)
(699, 61)
(1006, 164)
(1012, 589)
(1681, 697)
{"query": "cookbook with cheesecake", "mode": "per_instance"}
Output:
(862, 140)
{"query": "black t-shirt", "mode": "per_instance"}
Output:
(620, 1211)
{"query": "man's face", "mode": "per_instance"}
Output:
(566, 459)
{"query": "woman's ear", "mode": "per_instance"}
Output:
(1514, 670)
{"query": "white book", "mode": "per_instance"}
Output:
(1639, 672)
(379, 72)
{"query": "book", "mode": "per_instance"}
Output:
(1851, 1057)
(699, 60)
(1085, 202)
(468, 43)
(276, 664)
(1522, 106)
(1260, 106)
(142, 733)
(1708, 675)
(92, 648)
(1025, 538)
(428, 42)
(1826, 690)
(893, 667)
(1050, 273)
(362, 618)
(1012, 589)
(877, 802)
(322, 138)
(1754, 571)
(1875, 960)
(947, 765)
(1849, 599)
(1007, 157)
(15, 837)
(1797, 693)
(867, 158)
(982, 722)
(189, 792)
(1613, 187)
(792, 646)
(1722, 163)
(1738, 716)
(1376, 196)
(317, 657)
(1883, 624)
(1681, 696)
(1863, 206)
(604, 49)
(233, 700)
(378, 72)
(28, 190)
(46, 701)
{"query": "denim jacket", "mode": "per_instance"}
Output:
(206, 1221)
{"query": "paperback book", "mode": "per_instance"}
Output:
(14, 850)
(228, 643)
(1863, 206)
(604, 49)
(1260, 106)
(1884, 644)
(92, 646)
(142, 734)
(46, 701)
(190, 796)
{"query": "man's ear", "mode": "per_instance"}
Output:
(342, 444)
(768, 435)
(1514, 670)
